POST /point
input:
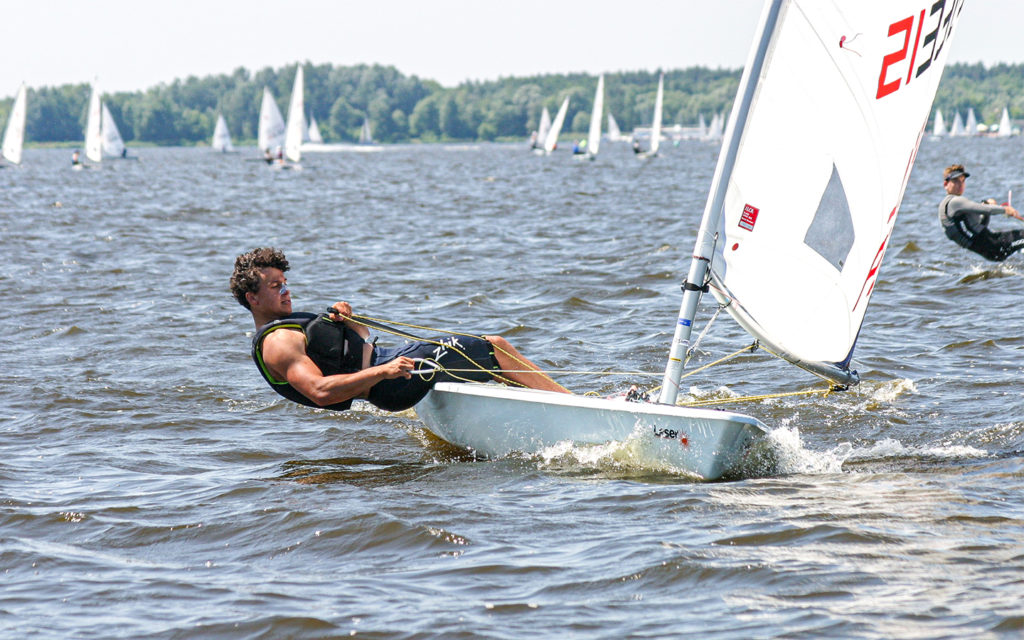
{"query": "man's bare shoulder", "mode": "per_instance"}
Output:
(282, 344)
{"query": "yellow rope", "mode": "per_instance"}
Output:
(496, 373)
(770, 396)
(697, 403)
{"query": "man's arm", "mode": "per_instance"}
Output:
(344, 310)
(284, 354)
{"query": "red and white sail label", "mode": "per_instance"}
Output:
(749, 217)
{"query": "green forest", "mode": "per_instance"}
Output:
(404, 108)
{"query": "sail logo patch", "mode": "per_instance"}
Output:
(749, 217)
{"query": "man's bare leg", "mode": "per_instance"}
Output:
(513, 362)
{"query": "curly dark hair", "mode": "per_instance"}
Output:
(246, 277)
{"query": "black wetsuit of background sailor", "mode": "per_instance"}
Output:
(966, 223)
(335, 348)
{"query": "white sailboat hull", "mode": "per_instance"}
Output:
(494, 421)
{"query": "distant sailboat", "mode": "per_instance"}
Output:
(14, 134)
(113, 145)
(614, 133)
(221, 136)
(1005, 125)
(716, 129)
(93, 134)
(314, 131)
(542, 129)
(939, 128)
(659, 99)
(316, 144)
(971, 126)
(594, 135)
(365, 134)
(958, 126)
(296, 120)
(551, 141)
(270, 136)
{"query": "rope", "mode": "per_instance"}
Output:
(770, 396)
(434, 366)
(378, 324)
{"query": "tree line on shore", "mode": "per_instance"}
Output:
(404, 108)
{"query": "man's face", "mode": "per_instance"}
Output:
(273, 297)
(955, 186)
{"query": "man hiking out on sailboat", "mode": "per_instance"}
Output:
(325, 361)
(966, 222)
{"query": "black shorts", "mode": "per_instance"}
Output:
(997, 245)
(473, 357)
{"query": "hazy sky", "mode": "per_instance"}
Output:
(135, 44)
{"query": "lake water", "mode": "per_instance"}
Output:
(151, 484)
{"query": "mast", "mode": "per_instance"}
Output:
(705, 243)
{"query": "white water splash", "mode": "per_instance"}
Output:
(892, 448)
(793, 457)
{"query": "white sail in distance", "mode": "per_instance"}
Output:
(296, 127)
(803, 222)
(594, 135)
(221, 136)
(1005, 126)
(614, 133)
(656, 126)
(14, 134)
(271, 130)
(971, 125)
(365, 133)
(314, 131)
(113, 145)
(939, 127)
(556, 127)
(93, 134)
(544, 127)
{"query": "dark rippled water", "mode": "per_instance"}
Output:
(152, 486)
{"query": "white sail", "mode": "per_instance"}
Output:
(614, 133)
(715, 130)
(797, 258)
(1005, 126)
(939, 127)
(221, 136)
(365, 133)
(958, 126)
(14, 134)
(296, 120)
(971, 125)
(113, 145)
(271, 130)
(594, 136)
(93, 133)
(544, 127)
(314, 131)
(656, 127)
(556, 127)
